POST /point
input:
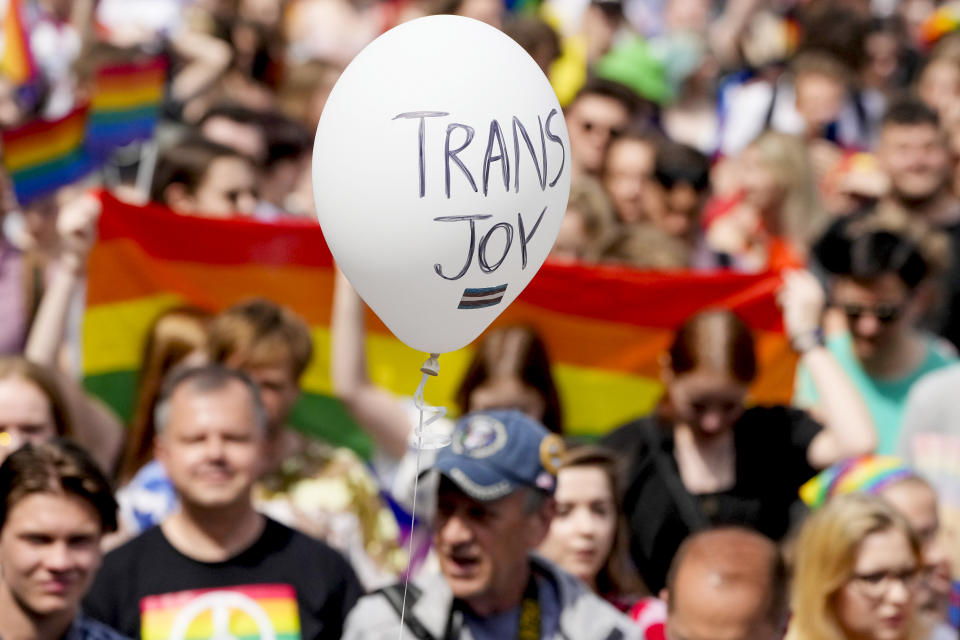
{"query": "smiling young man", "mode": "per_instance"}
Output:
(216, 564)
(494, 505)
(913, 151)
(56, 506)
(882, 268)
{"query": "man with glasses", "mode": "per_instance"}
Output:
(881, 269)
(600, 112)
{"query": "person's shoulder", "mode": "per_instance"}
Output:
(308, 551)
(765, 412)
(628, 435)
(373, 617)
(135, 549)
(584, 614)
(940, 354)
(86, 628)
(753, 91)
(376, 616)
(936, 386)
(763, 422)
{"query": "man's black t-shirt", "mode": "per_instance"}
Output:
(771, 464)
(286, 585)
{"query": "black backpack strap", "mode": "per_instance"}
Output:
(768, 116)
(394, 595)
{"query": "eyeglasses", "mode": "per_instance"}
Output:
(876, 584)
(589, 127)
(885, 313)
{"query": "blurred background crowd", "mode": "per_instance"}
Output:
(818, 139)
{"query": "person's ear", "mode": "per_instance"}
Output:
(923, 299)
(540, 525)
(159, 449)
(177, 198)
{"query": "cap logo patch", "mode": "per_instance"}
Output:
(545, 481)
(552, 451)
(482, 437)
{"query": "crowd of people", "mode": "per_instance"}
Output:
(817, 139)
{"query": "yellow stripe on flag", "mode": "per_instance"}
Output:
(132, 98)
(113, 334)
(51, 146)
(602, 399)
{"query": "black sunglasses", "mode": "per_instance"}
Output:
(884, 313)
(615, 132)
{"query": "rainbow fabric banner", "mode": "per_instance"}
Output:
(125, 104)
(246, 612)
(42, 156)
(16, 61)
(605, 328)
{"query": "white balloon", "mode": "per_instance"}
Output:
(441, 171)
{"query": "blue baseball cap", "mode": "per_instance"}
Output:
(493, 453)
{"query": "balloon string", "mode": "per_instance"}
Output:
(438, 412)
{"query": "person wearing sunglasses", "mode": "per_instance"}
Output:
(882, 269)
(704, 457)
(600, 113)
(856, 569)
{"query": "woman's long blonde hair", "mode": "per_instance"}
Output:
(801, 217)
(824, 559)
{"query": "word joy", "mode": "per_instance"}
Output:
(497, 150)
(480, 250)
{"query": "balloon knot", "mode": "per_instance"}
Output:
(432, 366)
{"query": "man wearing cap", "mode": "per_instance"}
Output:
(494, 505)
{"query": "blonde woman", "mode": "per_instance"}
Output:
(775, 213)
(857, 564)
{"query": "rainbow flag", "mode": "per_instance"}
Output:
(244, 612)
(16, 61)
(605, 328)
(944, 20)
(125, 104)
(42, 156)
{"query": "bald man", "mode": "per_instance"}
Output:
(726, 584)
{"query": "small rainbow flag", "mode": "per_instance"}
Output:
(42, 156)
(944, 20)
(605, 327)
(16, 61)
(242, 612)
(866, 474)
(125, 104)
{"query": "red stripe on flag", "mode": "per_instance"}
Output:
(34, 131)
(613, 294)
